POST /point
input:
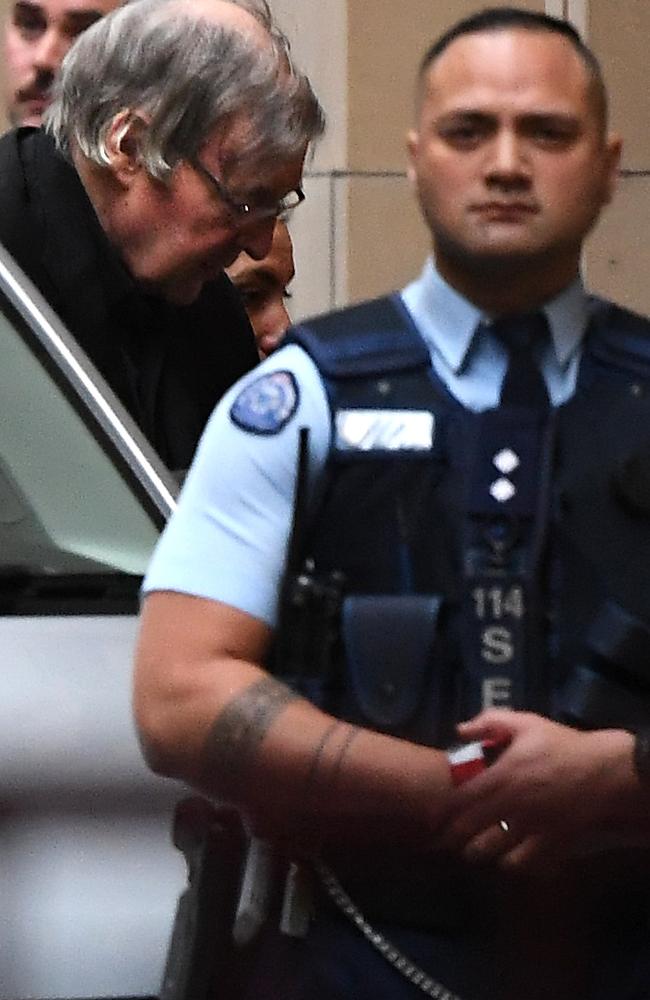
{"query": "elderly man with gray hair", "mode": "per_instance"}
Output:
(177, 136)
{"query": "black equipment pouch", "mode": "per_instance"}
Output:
(201, 955)
(389, 642)
(610, 687)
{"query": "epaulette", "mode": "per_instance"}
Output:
(373, 338)
(619, 339)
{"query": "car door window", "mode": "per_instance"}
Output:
(61, 499)
(76, 523)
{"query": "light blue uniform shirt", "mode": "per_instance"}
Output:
(472, 367)
(228, 538)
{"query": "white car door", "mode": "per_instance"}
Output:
(88, 875)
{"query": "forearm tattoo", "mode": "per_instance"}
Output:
(328, 760)
(236, 735)
(350, 737)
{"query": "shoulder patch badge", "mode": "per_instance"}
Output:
(267, 404)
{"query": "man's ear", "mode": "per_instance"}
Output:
(121, 145)
(412, 146)
(614, 152)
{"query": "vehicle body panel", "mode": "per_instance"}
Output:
(89, 877)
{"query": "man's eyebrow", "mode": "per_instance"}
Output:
(466, 113)
(25, 7)
(260, 194)
(82, 18)
(464, 117)
(31, 5)
(552, 116)
(481, 113)
(77, 18)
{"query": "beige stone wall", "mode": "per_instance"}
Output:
(319, 34)
(618, 257)
(359, 232)
(4, 6)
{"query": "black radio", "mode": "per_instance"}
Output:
(610, 687)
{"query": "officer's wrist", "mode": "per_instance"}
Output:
(618, 793)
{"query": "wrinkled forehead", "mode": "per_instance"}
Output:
(237, 152)
(230, 139)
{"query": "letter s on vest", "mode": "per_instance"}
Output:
(496, 644)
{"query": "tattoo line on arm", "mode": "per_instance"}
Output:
(351, 736)
(238, 731)
(325, 773)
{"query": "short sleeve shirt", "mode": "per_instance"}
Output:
(227, 538)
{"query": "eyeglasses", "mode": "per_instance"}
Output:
(244, 212)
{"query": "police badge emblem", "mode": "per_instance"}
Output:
(266, 405)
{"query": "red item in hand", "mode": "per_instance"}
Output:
(469, 759)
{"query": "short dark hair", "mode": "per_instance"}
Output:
(502, 18)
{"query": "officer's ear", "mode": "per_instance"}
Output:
(122, 145)
(412, 147)
(613, 154)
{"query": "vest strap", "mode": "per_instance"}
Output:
(376, 338)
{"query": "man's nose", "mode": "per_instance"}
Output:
(50, 50)
(508, 162)
(257, 237)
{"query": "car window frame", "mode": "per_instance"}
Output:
(87, 391)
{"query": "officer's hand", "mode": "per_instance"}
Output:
(550, 787)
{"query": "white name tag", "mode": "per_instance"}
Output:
(384, 430)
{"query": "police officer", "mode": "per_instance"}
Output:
(465, 529)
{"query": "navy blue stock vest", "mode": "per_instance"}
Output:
(474, 559)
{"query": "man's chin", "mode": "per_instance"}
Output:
(24, 114)
(181, 295)
(501, 252)
(184, 292)
(181, 289)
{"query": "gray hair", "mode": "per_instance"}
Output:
(185, 76)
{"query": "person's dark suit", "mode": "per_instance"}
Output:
(168, 364)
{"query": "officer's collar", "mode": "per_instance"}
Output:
(568, 317)
(448, 321)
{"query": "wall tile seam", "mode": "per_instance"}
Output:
(333, 275)
(353, 174)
